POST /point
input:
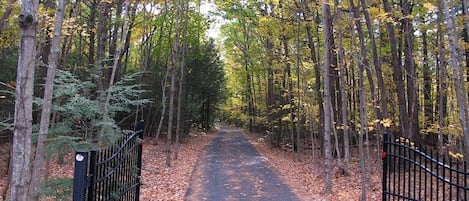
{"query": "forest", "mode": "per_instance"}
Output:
(326, 76)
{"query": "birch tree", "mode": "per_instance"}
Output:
(21, 152)
(458, 75)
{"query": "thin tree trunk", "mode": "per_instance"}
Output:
(427, 83)
(411, 76)
(172, 91)
(397, 74)
(466, 35)
(317, 72)
(53, 59)
(102, 36)
(163, 105)
(343, 100)
(326, 16)
(441, 79)
(6, 15)
(361, 132)
(118, 54)
(458, 76)
(116, 25)
(181, 82)
(91, 31)
(23, 119)
(379, 75)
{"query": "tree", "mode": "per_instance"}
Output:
(326, 18)
(21, 152)
(458, 77)
(39, 156)
(174, 64)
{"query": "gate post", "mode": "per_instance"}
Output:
(80, 176)
(139, 128)
(384, 157)
(92, 176)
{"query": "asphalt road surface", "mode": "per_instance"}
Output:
(230, 168)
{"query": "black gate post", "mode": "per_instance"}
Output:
(80, 176)
(384, 157)
(92, 176)
(139, 128)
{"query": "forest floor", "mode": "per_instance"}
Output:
(305, 178)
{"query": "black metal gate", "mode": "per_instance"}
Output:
(112, 173)
(412, 174)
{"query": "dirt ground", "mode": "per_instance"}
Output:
(306, 178)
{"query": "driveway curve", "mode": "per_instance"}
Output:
(230, 168)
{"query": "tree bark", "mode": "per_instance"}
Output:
(343, 100)
(427, 83)
(102, 37)
(6, 15)
(179, 121)
(53, 59)
(326, 17)
(397, 74)
(21, 152)
(317, 72)
(117, 54)
(441, 79)
(458, 76)
(411, 77)
(379, 74)
(92, 32)
(172, 91)
(363, 124)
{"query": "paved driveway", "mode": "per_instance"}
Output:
(230, 168)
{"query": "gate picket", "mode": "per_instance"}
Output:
(112, 173)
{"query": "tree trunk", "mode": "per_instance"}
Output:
(181, 81)
(326, 17)
(53, 59)
(6, 15)
(379, 75)
(317, 73)
(163, 105)
(343, 100)
(117, 54)
(21, 152)
(411, 77)
(102, 36)
(427, 83)
(114, 35)
(91, 31)
(441, 80)
(172, 90)
(363, 122)
(466, 35)
(397, 74)
(458, 76)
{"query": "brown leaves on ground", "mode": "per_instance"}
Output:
(307, 178)
(158, 182)
(4, 157)
(162, 183)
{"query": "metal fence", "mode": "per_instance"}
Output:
(112, 173)
(410, 173)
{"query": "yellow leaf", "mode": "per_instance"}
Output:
(387, 122)
(429, 6)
